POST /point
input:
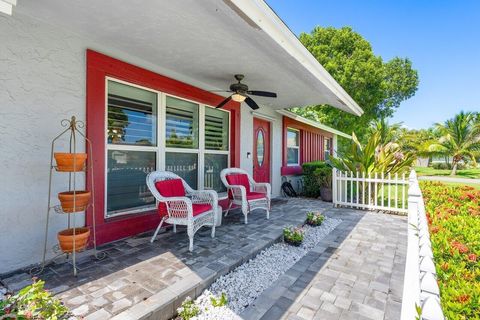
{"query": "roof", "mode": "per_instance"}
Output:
(312, 123)
(203, 43)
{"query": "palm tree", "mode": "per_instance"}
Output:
(460, 139)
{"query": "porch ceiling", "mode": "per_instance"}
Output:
(203, 43)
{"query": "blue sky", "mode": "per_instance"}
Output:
(442, 38)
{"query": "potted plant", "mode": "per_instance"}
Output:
(314, 219)
(293, 235)
(70, 162)
(67, 237)
(74, 201)
(324, 179)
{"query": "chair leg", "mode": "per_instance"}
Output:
(190, 248)
(228, 209)
(156, 231)
(268, 214)
(174, 228)
(213, 231)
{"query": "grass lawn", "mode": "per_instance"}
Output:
(467, 173)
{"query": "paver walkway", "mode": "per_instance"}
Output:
(355, 273)
(357, 270)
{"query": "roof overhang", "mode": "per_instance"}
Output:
(6, 6)
(314, 124)
(203, 43)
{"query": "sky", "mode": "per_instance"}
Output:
(442, 38)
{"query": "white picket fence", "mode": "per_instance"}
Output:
(377, 191)
(398, 194)
(420, 288)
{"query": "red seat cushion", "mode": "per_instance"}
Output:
(255, 195)
(238, 180)
(200, 208)
(169, 188)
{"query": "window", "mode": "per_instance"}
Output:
(293, 147)
(327, 148)
(131, 138)
(147, 130)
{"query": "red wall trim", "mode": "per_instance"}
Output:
(100, 66)
(311, 145)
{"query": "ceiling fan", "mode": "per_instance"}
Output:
(240, 93)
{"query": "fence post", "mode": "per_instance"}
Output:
(334, 187)
(411, 283)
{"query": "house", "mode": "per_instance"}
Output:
(144, 78)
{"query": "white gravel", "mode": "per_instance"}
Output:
(244, 284)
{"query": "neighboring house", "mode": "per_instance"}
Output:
(141, 77)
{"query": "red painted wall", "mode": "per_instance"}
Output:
(100, 66)
(311, 144)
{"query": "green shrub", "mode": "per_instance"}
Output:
(33, 302)
(453, 215)
(219, 302)
(188, 309)
(293, 235)
(314, 174)
(314, 218)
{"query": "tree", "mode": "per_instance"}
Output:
(460, 138)
(377, 86)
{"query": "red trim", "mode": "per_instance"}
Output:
(99, 66)
(311, 145)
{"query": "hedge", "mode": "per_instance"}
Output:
(453, 214)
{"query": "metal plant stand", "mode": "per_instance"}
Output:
(72, 127)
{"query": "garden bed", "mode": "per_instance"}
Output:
(453, 214)
(244, 284)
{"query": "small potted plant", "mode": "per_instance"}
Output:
(293, 235)
(324, 179)
(314, 219)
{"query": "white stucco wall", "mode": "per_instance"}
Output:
(42, 81)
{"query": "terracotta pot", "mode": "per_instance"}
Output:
(67, 200)
(326, 194)
(66, 239)
(65, 161)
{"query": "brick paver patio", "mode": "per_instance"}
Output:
(355, 272)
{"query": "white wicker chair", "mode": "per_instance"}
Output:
(179, 209)
(238, 193)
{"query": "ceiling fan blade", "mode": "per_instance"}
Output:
(220, 91)
(252, 104)
(262, 93)
(224, 102)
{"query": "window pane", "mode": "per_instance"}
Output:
(132, 114)
(183, 164)
(216, 129)
(292, 138)
(292, 155)
(126, 187)
(181, 124)
(260, 148)
(214, 163)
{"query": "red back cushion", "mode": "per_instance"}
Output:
(238, 180)
(169, 188)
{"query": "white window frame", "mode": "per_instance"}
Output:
(160, 149)
(294, 147)
(327, 150)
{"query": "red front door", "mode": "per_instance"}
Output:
(261, 150)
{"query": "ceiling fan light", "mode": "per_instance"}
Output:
(238, 97)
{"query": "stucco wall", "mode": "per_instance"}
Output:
(42, 81)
